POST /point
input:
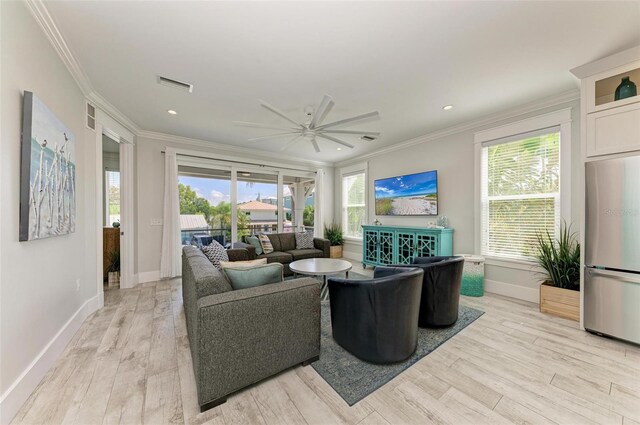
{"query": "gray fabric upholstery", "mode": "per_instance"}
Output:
(238, 338)
(277, 257)
(275, 241)
(301, 254)
(323, 245)
(250, 249)
(208, 279)
(287, 241)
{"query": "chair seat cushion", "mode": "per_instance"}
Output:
(302, 254)
(277, 257)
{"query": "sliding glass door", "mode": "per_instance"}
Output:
(230, 201)
(205, 204)
(257, 198)
(299, 203)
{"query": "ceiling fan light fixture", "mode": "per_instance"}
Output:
(315, 128)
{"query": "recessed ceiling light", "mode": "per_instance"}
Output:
(339, 149)
(447, 107)
(172, 112)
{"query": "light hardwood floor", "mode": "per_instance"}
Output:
(130, 363)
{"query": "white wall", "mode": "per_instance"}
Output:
(40, 305)
(150, 190)
(453, 157)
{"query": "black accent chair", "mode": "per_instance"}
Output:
(440, 290)
(377, 319)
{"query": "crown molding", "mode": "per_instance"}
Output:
(44, 19)
(613, 61)
(100, 102)
(548, 102)
(226, 148)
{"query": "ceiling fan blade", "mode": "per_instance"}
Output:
(333, 139)
(272, 136)
(322, 111)
(315, 145)
(370, 115)
(278, 112)
(260, 125)
(360, 133)
(290, 143)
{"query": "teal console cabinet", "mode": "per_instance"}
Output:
(382, 245)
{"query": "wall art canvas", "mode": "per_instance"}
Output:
(412, 194)
(48, 174)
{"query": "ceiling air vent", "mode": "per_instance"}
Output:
(170, 82)
(368, 138)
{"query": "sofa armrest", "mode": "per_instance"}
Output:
(251, 250)
(248, 335)
(324, 245)
(238, 254)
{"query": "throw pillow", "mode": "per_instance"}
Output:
(242, 264)
(255, 276)
(304, 240)
(215, 253)
(253, 240)
(267, 248)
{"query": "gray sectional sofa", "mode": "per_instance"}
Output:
(285, 252)
(238, 338)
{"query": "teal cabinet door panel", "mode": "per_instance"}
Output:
(383, 245)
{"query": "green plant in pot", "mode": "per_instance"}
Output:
(560, 260)
(333, 233)
(114, 267)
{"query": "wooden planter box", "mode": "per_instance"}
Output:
(335, 251)
(560, 302)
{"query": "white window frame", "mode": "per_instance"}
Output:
(106, 201)
(361, 168)
(510, 132)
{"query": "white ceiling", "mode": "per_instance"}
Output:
(406, 60)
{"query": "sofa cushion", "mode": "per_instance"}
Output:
(253, 240)
(266, 243)
(287, 241)
(304, 240)
(277, 257)
(255, 276)
(301, 254)
(242, 264)
(215, 253)
(275, 241)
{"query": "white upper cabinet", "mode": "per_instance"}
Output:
(610, 126)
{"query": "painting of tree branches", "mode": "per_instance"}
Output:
(48, 174)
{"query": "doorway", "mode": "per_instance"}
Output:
(111, 202)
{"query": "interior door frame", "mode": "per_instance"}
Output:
(105, 125)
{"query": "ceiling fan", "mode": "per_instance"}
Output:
(314, 127)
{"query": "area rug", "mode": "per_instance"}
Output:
(354, 379)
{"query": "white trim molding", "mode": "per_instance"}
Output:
(152, 276)
(562, 118)
(26, 383)
(548, 102)
(512, 291)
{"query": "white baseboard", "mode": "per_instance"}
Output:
(151, 276)
(352, 256)
(513, 291)
(29, 379)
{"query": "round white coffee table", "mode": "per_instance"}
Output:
(321, 267)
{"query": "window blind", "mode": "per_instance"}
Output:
(354, 206)
(520, 193)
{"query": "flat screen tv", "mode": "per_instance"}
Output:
(412, 194)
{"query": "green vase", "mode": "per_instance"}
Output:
(627, 88)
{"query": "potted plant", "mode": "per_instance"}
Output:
(560, 259)
(333, 232)
(114, 268)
